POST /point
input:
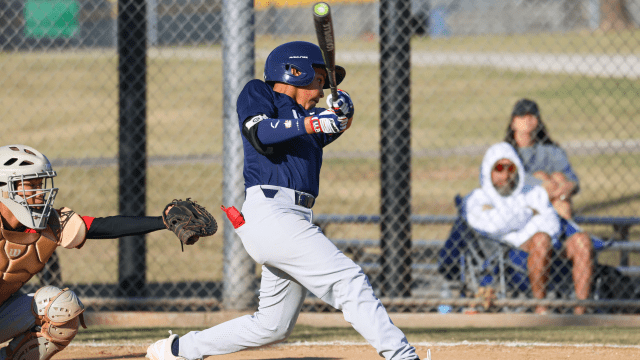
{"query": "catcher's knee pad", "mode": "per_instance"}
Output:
(30, 346)
(59, 314)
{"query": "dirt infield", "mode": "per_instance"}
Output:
(362, 352)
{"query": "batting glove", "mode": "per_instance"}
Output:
(328, 122)
(343, 104)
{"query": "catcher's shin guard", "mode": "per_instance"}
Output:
(30, 346)
(58, 313)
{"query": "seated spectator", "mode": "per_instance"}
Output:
(545, 163)
(504, 208)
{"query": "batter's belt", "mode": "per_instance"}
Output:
(297, 197)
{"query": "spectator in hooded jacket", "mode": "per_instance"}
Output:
(505, 208)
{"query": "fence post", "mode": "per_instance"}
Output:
(132, 156)
(395, 147)
(239, 62)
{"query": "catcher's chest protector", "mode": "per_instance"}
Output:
(22, 255)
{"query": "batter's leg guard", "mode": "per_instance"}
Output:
(58, 316)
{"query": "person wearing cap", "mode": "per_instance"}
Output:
(545, 162)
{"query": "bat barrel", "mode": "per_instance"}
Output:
(326, 40)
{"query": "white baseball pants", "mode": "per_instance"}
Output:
(296, 256)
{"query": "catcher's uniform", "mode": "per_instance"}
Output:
(40, 325)
(281, 170)
(24, 254)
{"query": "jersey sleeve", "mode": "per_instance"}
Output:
(274, 131)
(256, 98)
(562, 164)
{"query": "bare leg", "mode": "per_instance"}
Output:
(580, 252)
(539, 249)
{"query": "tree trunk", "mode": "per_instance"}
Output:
(614, 15)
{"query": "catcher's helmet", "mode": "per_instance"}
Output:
(301, 55)
(19, 163)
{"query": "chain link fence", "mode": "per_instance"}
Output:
(442, 85)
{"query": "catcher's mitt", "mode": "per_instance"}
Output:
(188, 220)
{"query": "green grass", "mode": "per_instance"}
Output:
(65, 101)
(622, 42)
(66, 105)
(435, 183)
(301, 333)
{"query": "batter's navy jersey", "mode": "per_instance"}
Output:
(296, 157)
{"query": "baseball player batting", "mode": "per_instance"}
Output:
(42, 324)
(283, 134)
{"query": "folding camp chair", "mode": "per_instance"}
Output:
(480, 262)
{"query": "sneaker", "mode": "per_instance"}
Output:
(161, 349)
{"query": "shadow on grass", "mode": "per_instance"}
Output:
(305, 358)
(130, 356)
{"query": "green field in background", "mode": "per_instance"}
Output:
(614, 43)
(435, 184)
(65, 104)
(74, 101)
(302, 333)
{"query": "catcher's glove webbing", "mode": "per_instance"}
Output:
(189, 221)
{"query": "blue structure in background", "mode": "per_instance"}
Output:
(438, 22)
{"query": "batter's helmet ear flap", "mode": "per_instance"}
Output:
(301, 55)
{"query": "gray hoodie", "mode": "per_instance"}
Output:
(509, 218)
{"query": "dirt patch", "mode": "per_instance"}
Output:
(361, 352)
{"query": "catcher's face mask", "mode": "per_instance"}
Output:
(26, 185)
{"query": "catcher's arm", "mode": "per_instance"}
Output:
(113, 227)
(188, 220)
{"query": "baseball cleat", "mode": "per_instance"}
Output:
(428, 355)
(161, 349)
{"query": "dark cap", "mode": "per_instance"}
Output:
(525, 107)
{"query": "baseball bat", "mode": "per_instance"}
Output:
(326, 41)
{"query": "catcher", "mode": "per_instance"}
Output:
(42, 324)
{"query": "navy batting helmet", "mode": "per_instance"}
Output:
(300, 55)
